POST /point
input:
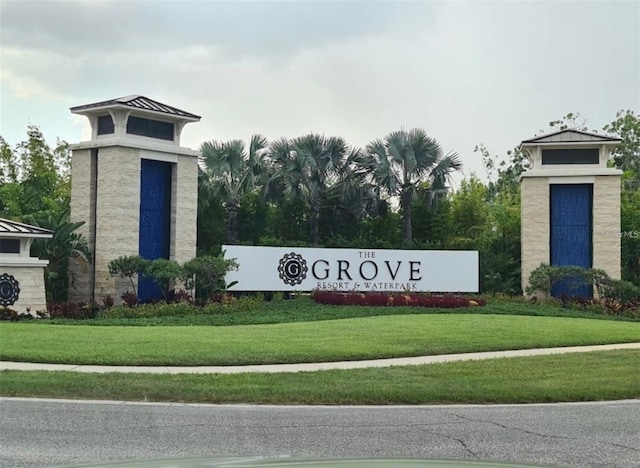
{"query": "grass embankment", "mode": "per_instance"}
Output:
(329, 340)
(573, 377)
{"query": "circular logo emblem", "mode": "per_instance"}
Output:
(9, 290)
(292, 269)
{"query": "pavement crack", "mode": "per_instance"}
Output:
(462, 443)
(539, 434)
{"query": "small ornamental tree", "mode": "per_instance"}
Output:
(206, 274)
(128, 266)
(164, 274)
(545, 277)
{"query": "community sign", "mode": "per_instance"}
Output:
(306, 269)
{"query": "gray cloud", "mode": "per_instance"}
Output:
(244, 28)
(467, 72)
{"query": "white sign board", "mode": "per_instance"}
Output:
(306, 269)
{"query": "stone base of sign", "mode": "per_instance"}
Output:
(30, 278)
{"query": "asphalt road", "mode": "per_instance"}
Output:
(46, 432)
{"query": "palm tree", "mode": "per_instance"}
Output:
(404, 160)
(65, 246)
(231, 173)
(304, 169)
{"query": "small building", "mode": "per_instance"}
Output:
(136, 189)
(570, 204)
(21, 275)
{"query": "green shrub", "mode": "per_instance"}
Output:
(620, 290)
(127, 266)
(160, 309)
(228, 305)
(616, 297)
(545, 277)
(206, 274)
(164, 274)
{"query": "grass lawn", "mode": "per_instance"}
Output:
(572, 377)
(328, 340)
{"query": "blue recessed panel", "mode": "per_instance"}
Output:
(571, 232)
(155, 219)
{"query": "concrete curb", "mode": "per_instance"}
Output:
(310, 367)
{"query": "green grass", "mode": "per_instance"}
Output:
(303, 309)
(571, 377)
(328, 340)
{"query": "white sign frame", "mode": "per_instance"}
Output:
(306, 269)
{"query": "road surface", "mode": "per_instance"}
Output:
(49, 432)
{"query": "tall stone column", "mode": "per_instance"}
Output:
(135, 188)
(570, 205)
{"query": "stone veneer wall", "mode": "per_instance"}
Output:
(117, 215)
(535, 224)
(117, 209)
(606, 225)
(184, 208)
(82, 208)
(535, 229)
(31, 284)
(116, 224)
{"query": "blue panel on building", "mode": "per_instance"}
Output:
(571, 232)
(155, 219)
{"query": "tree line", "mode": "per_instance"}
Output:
(314, 172)
(394, 193)
(316, 190)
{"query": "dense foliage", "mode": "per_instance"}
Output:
(364, 207)
(35, 188)
(318, 190)
(618, 296)
(205, 274)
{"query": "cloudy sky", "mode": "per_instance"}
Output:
(467, 72)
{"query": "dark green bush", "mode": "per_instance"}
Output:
(615, 297)
(545, 277)
(620, 290)
(227, 305)
(206, 274)
(127, 266)
(164, 274)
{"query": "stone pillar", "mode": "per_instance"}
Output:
(572, 165)
(106, 189)
(606, 225)
(534, 225)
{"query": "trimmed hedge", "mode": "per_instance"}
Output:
(227, 305)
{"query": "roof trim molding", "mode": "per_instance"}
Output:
(9, 228)
(138, 144)
(574, 136)
(139, 103)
